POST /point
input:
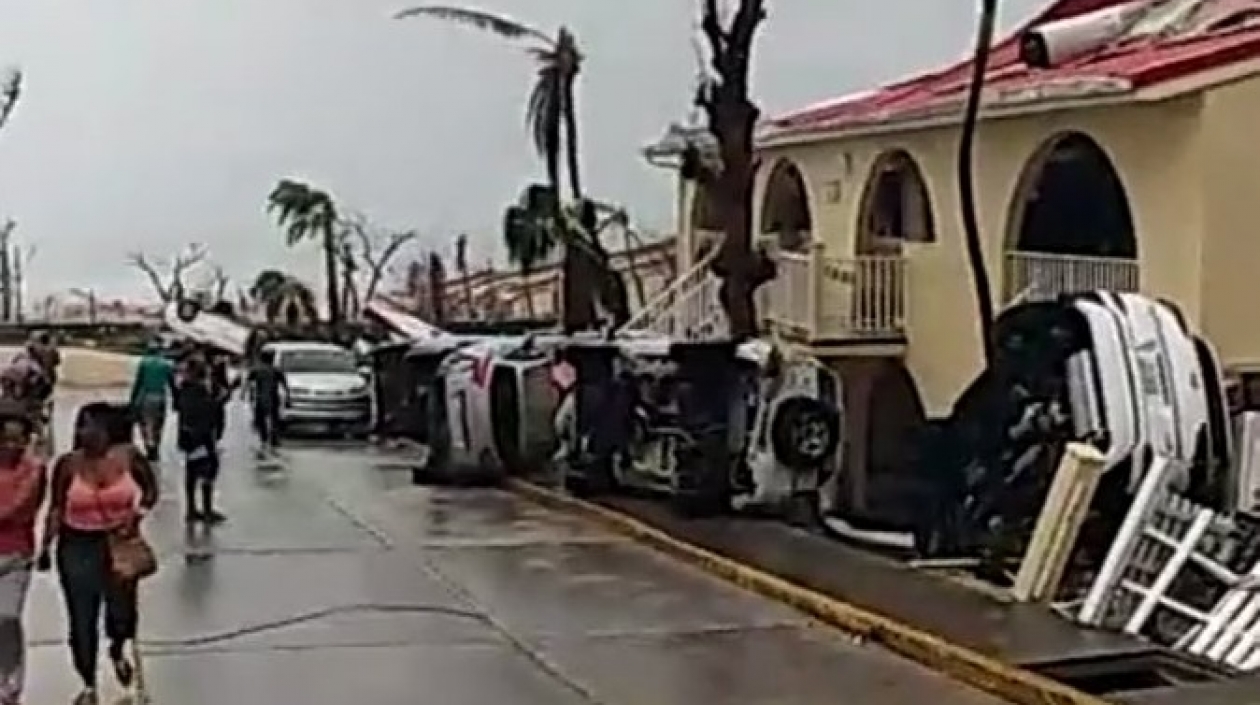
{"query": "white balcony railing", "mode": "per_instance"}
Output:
(1040, 276)
(687, 309)
(822, 297)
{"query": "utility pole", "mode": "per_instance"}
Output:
(19, 284)
(21, 259)
(6, 270)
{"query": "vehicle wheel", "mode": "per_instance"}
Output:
(804, 433)
(187, 310)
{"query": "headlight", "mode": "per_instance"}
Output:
(301, 391)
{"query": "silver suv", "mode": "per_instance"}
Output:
(324, 388)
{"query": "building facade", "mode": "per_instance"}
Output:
(1130, 164)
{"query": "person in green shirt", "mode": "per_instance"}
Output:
(150, 393)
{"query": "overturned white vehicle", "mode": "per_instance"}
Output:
(1120, 371)
(713, 425)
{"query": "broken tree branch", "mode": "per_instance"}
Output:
(170, 285)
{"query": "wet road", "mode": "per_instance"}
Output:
(337, 581)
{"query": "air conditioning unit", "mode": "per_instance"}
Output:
(1058, 42)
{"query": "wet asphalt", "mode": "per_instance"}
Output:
(335, 580)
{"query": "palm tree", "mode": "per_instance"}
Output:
(550, 109)
(551, 118)
(278, 293)
(306, 213)
(966, 181)
(294, 301)
(529, 242)
(10, 92)
(265, 286)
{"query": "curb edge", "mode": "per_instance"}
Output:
(968, 666)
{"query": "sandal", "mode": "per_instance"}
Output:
(124, 671)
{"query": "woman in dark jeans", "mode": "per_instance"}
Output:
(103, 485)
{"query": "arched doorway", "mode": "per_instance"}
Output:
(1070, 226)
(1070, 201)
(785, 211)
(895, 207)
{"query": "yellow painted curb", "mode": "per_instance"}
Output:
(968, 666)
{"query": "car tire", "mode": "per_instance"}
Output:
(804, 433)
(187, 310)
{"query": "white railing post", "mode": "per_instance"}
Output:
(813, 293)
(1047, 275)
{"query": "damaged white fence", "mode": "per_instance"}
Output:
(1162, 535)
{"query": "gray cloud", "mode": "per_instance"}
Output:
(150, 123)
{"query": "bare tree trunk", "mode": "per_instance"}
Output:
(19, 287)
(330, 276)
(6, 281)
(732, 118)
(966, 181)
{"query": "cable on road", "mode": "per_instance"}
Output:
(308, 617)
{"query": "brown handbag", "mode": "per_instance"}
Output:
(131, 558)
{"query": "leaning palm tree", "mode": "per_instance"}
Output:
(551, 118)
(10, 92)
(307, 213)
(550, 111)
(529, 243)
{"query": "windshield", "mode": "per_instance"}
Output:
(326, 361)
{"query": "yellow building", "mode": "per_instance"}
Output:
(1130, 160)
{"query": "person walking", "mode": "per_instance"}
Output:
(221, 388)
(22, 487)
(198, 439)
(265, 382)
(151, 388)
(100, 492)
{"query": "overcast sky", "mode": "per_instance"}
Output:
(148, 124)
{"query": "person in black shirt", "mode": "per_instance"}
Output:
(265, 382)
(199, 425)
(221, 391)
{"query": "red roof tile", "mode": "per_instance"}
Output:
(1126, 65)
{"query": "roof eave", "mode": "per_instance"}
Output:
(948, 113)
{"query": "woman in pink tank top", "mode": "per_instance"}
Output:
(22, 485)
(103, 485)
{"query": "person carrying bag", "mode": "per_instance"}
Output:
(101, 492)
